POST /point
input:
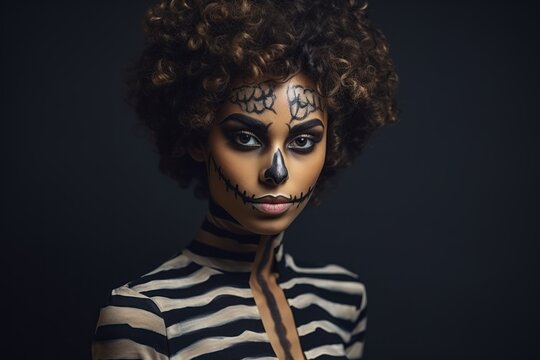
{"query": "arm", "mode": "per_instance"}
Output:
(130, 327)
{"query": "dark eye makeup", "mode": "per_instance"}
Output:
(304, 143)
(243, 139)
(246, 140)
(242, 136)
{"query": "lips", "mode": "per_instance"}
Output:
(269, 199)
(272, 209)
(272, 205)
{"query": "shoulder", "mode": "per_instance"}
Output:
(331, 292)
(330, 283)
(128, 307)
(330, 276)
(131, 323)
(178, 272)
(141, 291)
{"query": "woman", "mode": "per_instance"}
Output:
(258, 103)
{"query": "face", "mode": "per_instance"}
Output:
(265, 152)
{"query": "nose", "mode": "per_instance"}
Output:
(277, 173)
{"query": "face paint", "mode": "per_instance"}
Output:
(262, 166)
(246, 198)
(254, 98)
(261, 278)
(277, 173)
(303, 101)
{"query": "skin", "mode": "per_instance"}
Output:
(267, 140)
(275, 311)
(247, 162)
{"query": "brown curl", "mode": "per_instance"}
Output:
(196, 48)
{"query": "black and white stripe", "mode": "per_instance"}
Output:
(199, 305)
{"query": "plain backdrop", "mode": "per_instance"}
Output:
(439, 216)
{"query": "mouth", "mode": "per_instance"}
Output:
(272, 205)
(269, 204)
(269, 199)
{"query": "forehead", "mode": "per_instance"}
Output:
(295, 98)
(300, 79)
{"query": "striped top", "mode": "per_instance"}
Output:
(199, 305)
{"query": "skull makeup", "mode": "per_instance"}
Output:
(265, 152)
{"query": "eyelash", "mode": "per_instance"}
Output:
(237, 134)
(312, 140)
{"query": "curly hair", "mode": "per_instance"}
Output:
(196, 48)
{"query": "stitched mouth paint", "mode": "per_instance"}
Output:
(266, 204)
(257, 151)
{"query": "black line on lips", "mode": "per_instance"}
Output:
(280, 328)
(243, 194)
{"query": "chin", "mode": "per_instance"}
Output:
(256, 222)
(267, 226)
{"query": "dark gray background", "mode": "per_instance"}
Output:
(439, 215)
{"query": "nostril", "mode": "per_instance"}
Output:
(277, 173)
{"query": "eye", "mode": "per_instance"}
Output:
(302, 143)
(247, 139)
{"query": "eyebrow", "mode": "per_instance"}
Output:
(247, 121)
(305, 125)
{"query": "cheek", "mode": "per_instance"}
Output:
(306, 169)
(240, 167)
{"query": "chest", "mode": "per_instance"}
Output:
(221, 320)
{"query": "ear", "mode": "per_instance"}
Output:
(197, 152)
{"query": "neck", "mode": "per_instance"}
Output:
(224, 244)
